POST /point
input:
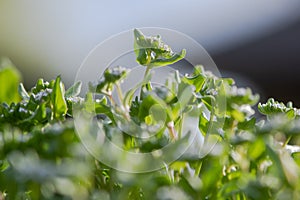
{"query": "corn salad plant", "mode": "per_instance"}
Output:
(42, 157)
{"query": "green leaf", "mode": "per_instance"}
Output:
(161, 62)
(152, 52)
(272, 107)
(145, 106)
(130, 93)
(208, 101)
(23, 93)
(203, 124)
(239, 116)
(74, 90)
(40, 85)
(41, 113)
(110, 77)
(9, 82)
(153, 100)
(58, 99)
(247, 124)
(257, 148)
(290, 168)
(186, 185)
(97, 106)
(197, 78)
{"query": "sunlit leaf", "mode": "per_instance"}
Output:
(58, 100)
(74, 90)
(9, 82)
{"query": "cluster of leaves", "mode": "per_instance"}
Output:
(273, 107)
(41, 156)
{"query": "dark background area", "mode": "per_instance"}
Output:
(271, 62)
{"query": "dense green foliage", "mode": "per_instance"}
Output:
(41, 156)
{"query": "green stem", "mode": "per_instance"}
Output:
(147, 71)
(198, 168)
(172, 131)
(287, 141)
(120, 93)
(211, 118)
(148, 68)
(125, 112)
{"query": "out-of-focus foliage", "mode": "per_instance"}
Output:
(9, 79)
(41, 156)
(273, 107)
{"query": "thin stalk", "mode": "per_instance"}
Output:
(287, 141)
(111, 99)
(171, 129)
(120, 93)
(125, 111)
(148, 68)
(198, 168)
(211, 118)
(147, 71)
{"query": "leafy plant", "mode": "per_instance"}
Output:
(235, 155)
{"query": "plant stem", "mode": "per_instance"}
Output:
(198, 168)
(148, 68)
(147, 71)
(111, 100)
(287, 141)
(125, 111)
(120, 93)
(171, 129)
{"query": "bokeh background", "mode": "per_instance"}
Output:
(256, 42)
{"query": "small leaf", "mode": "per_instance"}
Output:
(74, 90)
(152, 52)
(40, 114)
(273, 107)
(247, 124)
(161, 62)
(23, 93)
(256, 148)
(239, 116)
(130, 93)
(40, 85)
(58, 100)
(110, 77)
(9, 82)
(209, 101)
(197, 78)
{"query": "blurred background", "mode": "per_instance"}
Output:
(256, 42)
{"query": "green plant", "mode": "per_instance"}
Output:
(41, 156)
